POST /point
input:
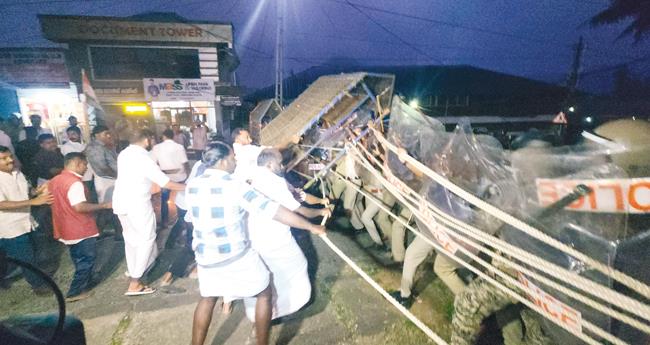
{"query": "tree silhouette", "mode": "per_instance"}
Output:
(619, 10)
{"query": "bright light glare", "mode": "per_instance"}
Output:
(572, 109)
(588, 119)
(414, 103)
(252, 22)
(136, 109)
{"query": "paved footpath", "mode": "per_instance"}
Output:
(345, 309)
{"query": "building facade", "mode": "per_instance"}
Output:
(154, 69)
(37, 81)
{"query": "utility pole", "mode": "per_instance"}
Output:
(279, 47)
(572, 80)
(564, 133)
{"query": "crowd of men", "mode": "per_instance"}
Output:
(234, 211)
(234, 208)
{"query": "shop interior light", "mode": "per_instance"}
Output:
(136, 108)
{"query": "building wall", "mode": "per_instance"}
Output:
(86, 35)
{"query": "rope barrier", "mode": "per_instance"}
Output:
(557, 272)
(484, 242)
(608, 295)
(621, 277)
(505, 289)
(419, 324)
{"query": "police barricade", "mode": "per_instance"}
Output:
(604, 234)
(579, 264)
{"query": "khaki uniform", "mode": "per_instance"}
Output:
(398, 234)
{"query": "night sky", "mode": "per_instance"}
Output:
(532, 38)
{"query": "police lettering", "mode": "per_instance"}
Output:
(554, 309)
(609, 195)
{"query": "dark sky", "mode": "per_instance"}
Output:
(532, 38)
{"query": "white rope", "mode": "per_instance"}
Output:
(605, 293)
(494, 282)
(610, 296)
(426, 330)
(621, 277)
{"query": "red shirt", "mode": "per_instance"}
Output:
(69, 224)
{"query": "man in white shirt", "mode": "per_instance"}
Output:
(72, 121)
(172, 159)
(136, 172)
(199, 135)
(218, 206)
(16, 224)
(74, 144)
(245, 153)
(274, 242)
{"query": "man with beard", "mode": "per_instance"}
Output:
(273, 240)
(136, 172)
(15, 204)
(74, 224)
(73, 143)
(48, 162)
(102, 159)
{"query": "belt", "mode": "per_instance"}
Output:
(227, 261)
(172, 171)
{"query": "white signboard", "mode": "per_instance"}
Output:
(179, 89)
(67, 28)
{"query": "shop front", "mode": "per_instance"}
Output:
(183, 102)
(41, 85)
(149, 71)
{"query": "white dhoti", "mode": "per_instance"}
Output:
(245, 277)
(289, 280)
(104, 188)
(139, 231)
(280, 252)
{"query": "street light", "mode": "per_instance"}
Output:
(572, 109)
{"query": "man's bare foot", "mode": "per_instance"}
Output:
(78, 297)
(166, 279)
(194, 274)
(226, 308)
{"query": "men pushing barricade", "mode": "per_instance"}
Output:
(274, 242)
(227, 265)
